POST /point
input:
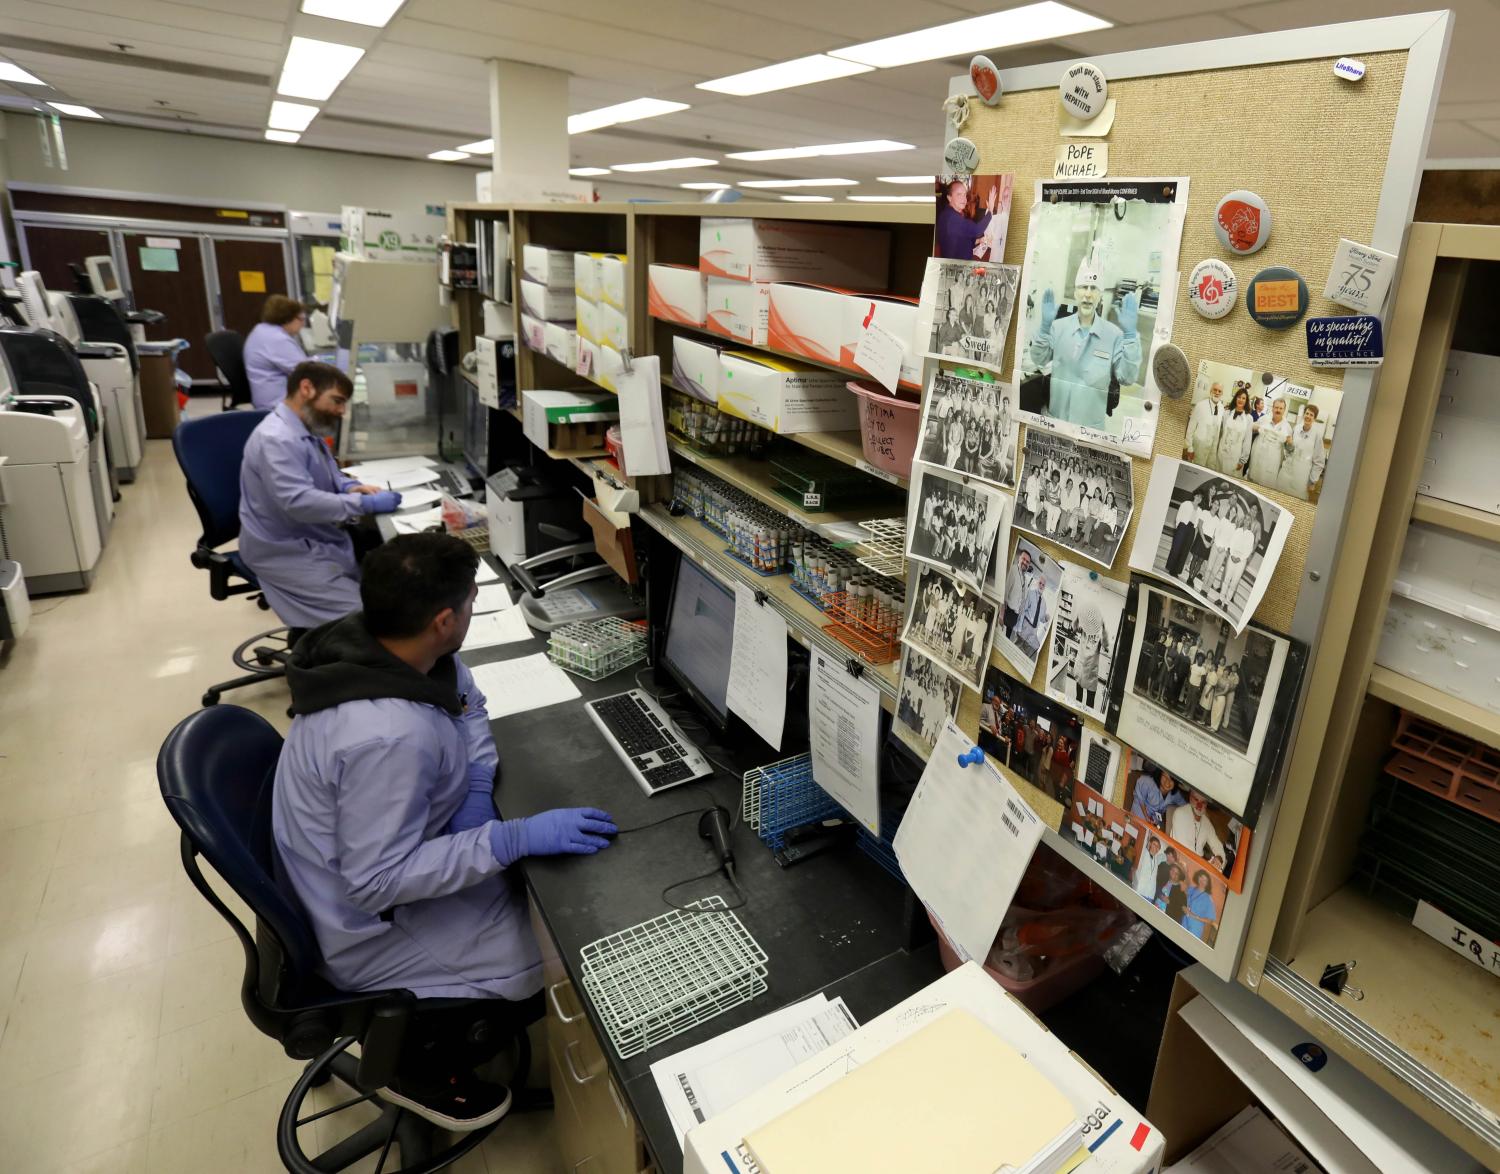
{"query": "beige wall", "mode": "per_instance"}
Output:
(197, 167)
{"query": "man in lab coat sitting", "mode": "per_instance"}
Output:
(383, 813)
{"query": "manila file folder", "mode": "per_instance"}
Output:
(952, 1096)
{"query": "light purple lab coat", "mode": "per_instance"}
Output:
(364, 791)
(270, 355)
(292, 497)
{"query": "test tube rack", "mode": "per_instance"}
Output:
(712, 432)
(782, 795)
(867, 620)
(885, 550)
(596, 648)
(665, 976)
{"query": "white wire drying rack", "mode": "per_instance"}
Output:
(885, 550)
(664, 976)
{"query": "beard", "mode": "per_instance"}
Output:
(323, 423)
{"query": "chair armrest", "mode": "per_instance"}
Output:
(221, 570)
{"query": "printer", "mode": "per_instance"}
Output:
(47, 520)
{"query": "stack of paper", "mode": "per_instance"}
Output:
(953, 1088)
(417, 522)
(522, 684)
(373, 471)
(497, 627)
(643, 429)
(492, 597)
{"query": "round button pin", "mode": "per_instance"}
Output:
(1170, 367)
(986, 79)
(1276, 297)
(1083, 90)
(961, 155)
(1243, 222)
(1212, 288)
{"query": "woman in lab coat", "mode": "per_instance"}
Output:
(1302, 467)
(1266, 447)
(273, 349)
(1234, 435)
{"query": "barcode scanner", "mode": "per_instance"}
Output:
(713, 826)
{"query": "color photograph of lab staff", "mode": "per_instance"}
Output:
(1075, 495)
(970, 426)
(1101, 830)
(1186, 889)
(1032, 581)
(1091, 300)
(965, 310)
(952, 522)
(1217, 539)
(1262, 428)
(1085, 640)
(928, 697)
(1028, 734)
(1188, 818)
(950, 625)
(973, 213)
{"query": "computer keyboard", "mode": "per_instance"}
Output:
(452, 483)
(646, 739)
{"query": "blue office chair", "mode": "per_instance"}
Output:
(216, 771)
(209, 451)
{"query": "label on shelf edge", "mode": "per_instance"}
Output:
(1477, 948)
(864, 466)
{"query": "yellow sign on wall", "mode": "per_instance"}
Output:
(252, 281)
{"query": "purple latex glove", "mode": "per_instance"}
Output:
(387, 501)
(478, 806)
(571, 831)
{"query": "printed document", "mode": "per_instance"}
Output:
(525, 683)
(497, 627)
(844, 723)
(757, 666)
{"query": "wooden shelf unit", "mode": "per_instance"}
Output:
(1463, 717)
(1461, 519)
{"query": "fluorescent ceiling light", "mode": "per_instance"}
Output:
(891, 199)
(447, 156)
(291, 116)
(706, 185)
(667, 164)
(961, 38)
(632, 111)
(482, 147)
(907, 178)
(799, 183)
(868, 147)
(14, 73)
(808, 199)
(75, 111)
(587, 171)
(803, 71)
(314, 69)
(375, 13)
(282, 136)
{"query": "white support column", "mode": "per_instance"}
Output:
(529, 123)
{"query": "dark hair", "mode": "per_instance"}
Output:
(410, 579)
(321, 375)
(1208, 880)
(280, 309)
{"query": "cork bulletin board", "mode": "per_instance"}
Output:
(1331, 159)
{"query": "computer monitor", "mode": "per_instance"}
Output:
(700, 637)
(102, 275)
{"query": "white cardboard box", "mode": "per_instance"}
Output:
(561, 343)
(1460, 465)
(544, 302)
(807, 320)
(552, 267)
(695, 368)
(783, 396)
(376, 234)
(613, 330)
(613, 270)
(586, 314)
(894, 313)
(586, 275)
(1119, 1140)
(739, 310)
(789, 250)
(676, 293)
(534, 333)
(544, 411)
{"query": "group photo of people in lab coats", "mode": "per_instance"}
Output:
(1032, 581)
(951, 625)
(1187, 818)
(951, 522)
(1261, 428)
(970, 426)
(966, 308)
(928, 697)
(1076, 495)
(1029, 734)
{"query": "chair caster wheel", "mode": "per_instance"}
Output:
(210, 698)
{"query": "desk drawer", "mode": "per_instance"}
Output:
(595, 1132)
(567, 1023)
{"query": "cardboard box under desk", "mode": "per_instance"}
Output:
(676, 293)
(787, 250)
(612, 540)
(568, 421)
(783, 396)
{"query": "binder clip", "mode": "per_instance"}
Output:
(627, 359)
(761, 597)
(972, 755)
(856, 668)
(1335, 980)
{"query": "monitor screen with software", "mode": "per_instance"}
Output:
(101, 271)
(700, 636)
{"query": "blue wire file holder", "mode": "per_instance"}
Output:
(782, 795)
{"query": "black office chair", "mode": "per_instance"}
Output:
(209, 451)
(216, 771)
(227, 350)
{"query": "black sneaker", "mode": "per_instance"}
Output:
(459, 1104)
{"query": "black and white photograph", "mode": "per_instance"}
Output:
(973, 213)
(965, 311)
(1205, 701)
(928, 697)
(1262, 427)
(1032, 581)
(970, 426)
(1096, 295)
(1085, 640)
(1028, 734)
(952, 522)
(1215, 538)
(1075, 495)
(1098, 761)
(950, 625)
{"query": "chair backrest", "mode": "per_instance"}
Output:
(100, 320)
(43, 362)
(216, 771)
(209, 450)
(227, 349)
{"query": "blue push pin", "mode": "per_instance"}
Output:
(973, 754)
(1094, 575)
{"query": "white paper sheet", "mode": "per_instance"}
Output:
(964, 842)
(880, 353)
(522, 684)
(415, 523)
(493, 597)
(643, 430)
(486, 574)
(419, 498)
(497, 627)
(844, 725)
(702, 1081)
(757, 666)
(403, 479)
(388, 466)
